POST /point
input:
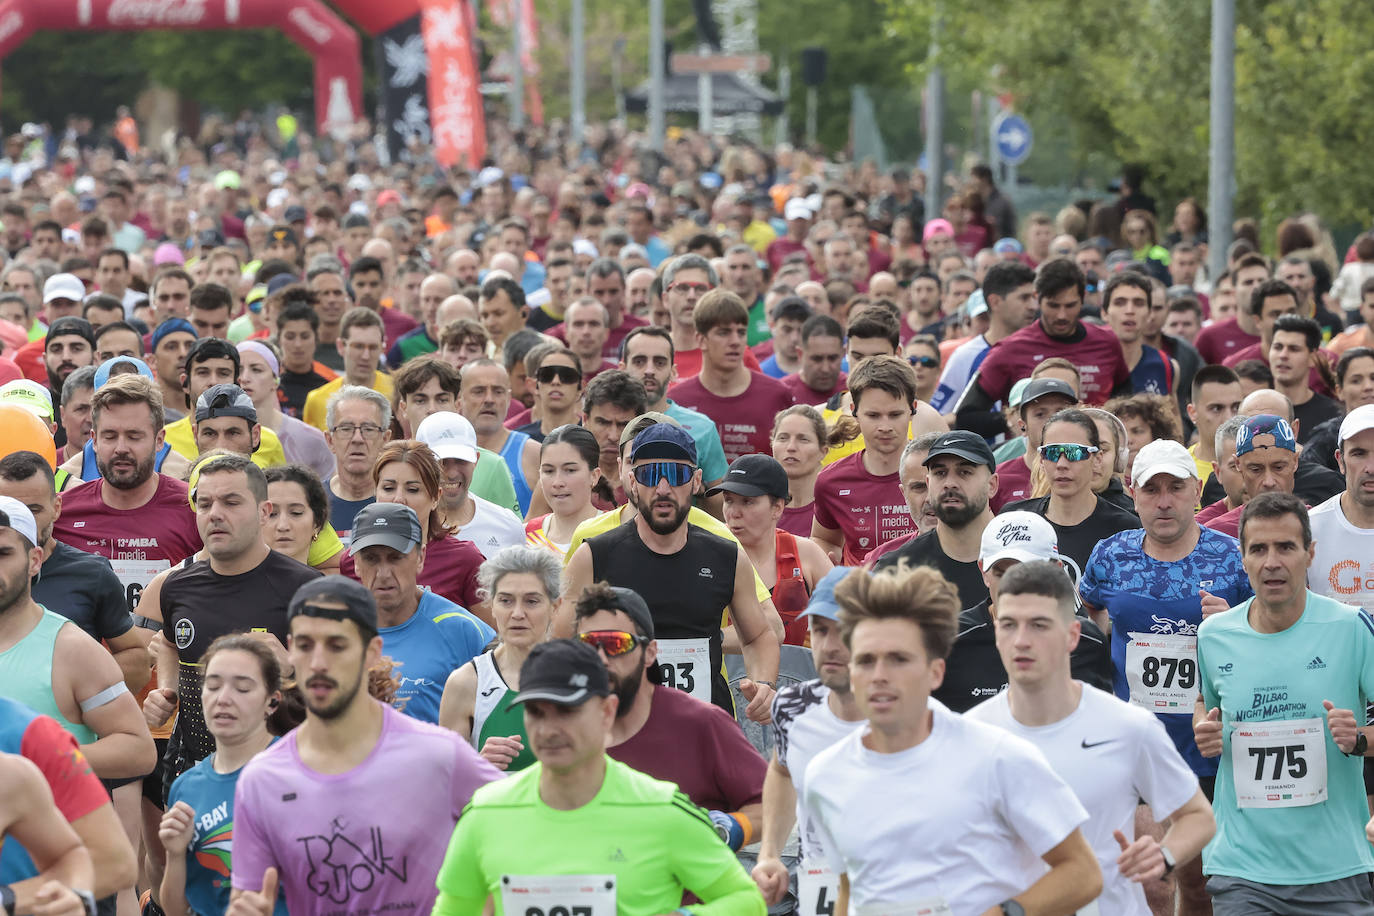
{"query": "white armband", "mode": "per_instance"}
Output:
(108, 695)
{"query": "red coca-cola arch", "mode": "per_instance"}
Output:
(331, 44)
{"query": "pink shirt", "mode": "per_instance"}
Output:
(365, 842)
(866, 509)
(797, 519)
(745, 421)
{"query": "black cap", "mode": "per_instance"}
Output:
(72, 324)
(284, 234)
(754, 475)
(963, 444)
(294, 214)
(210, 238)
(629, 603)
(1040, 387)
(358, 604)
(389, 524)
(563, 671)
(355, 220)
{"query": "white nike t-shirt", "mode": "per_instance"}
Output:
(492, 527)
(1113, 754)
(1343, 567)
(962, 818)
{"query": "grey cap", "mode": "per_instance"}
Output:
(225, 400)
(389, 524)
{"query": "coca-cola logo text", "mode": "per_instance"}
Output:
(156, 12)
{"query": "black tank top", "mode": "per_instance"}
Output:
(687, 592)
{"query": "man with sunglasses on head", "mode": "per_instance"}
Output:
(664, 732)
(688, 575)
(577, 811)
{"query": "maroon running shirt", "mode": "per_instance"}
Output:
(1013, 483)
(1096, 353)
(1219, 340)
(803, 393)
(139, 543)
(699, 747)
(866, 509)
(1314, 377)
(745, 421)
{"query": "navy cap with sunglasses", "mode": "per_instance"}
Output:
(664, 441)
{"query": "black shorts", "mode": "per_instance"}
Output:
(152, 783)
(1208, 784)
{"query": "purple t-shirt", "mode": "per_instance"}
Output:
(362, 843)
(745, 421)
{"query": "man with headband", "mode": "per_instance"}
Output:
(339, 781)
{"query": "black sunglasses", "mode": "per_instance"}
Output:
(565, 374)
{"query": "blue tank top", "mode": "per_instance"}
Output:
(510, 453)
(1152, 375)
(89, 471)
(15, 864)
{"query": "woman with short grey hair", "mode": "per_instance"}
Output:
(521, 585)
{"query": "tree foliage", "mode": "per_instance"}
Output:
(1131, 81)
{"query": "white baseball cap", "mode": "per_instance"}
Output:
(64, 286)
(1356, 422)
(1163, 456)
(448, 435)
(1022, 536)
(585, 248)
(796, 208)
(20, 519)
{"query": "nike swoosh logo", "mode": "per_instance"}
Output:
(1087, 746)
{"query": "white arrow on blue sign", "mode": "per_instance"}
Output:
(1014, 138)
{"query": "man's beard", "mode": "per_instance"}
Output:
(961, 515)
(12, 594)
(658, 526)
(626, 691)
(341, 701)
(126, 480)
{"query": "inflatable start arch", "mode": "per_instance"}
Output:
(331, 44)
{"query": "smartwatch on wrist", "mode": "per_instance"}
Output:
(87, 900)
(1012, 908)
(1169, 863)
(1361, 745)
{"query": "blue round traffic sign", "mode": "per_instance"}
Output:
(1013, 137)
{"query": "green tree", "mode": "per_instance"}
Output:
(56, 74)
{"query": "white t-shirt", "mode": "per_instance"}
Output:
(803, 726)
(1113, 754)
(492, 527)
(962, 817)
(1343, 567)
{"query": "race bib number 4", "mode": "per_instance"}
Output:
(135, 575)
(1279, 764)
(1161, 671)
(685, 664)
(817, 888)
(558, 895)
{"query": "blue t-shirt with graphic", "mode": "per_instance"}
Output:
(438, 638)
(208, 866)
(1144, 595)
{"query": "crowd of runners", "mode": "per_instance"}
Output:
(711, 532)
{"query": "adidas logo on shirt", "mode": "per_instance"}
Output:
(1316, 663)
